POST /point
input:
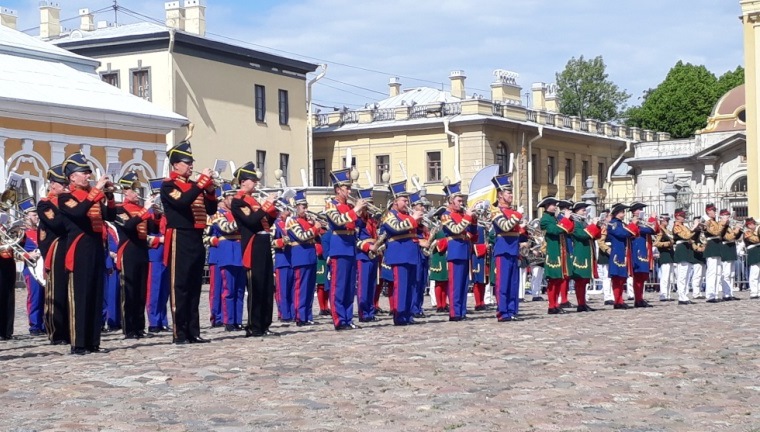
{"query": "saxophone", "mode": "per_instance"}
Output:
(380, 243)
(431, 247)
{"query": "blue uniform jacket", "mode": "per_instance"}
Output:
(302, 235)
(227, 238)
(341, 220)
(402, 239)
(506, 225)
(619, 235)
(641, 247)
(280, 246)
(460, 230)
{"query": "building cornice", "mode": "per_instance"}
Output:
(79, 116)
(79, 140)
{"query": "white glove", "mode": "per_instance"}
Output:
(521, 210)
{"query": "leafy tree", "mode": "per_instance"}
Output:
(729, 80)
(584, 90)
(681, 104)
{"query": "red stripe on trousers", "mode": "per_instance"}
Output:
(333, 285)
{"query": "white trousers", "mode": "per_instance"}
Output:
(727, 277)
(433, 303)
(754, 280)
(523, 281)
(682, 280)
(666, 276)
(697, 270)
(712, 277)
(604, 275)
(537, 277)
(629, 288)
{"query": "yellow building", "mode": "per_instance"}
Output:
(436, 134)
(245, 104)
(750, 19)
(53, 104)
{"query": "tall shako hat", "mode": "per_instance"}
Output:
(341, 177)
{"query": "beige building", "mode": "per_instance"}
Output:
(53, 104)
(245, 104)
(436, 134)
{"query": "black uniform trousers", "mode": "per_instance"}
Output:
(57, 295)
(260, 285)
(134, 288)
(186, 259)
(7, 296)
(86, 285)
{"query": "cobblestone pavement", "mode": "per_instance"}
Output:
(668, 368)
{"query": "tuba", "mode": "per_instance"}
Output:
(535, 252)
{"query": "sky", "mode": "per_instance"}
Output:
(365, 42)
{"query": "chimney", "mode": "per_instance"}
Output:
(457, 84)
(50, 19)
(552, 104)
(505, 88)
(175, 15)
(195, 17)
(87, 20)
(538, 96)
(8, 17)
(395, 86)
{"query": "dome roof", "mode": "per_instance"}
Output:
(728, 114)
(730, 102)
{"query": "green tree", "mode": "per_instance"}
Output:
(584, 90)
(681, 104)
(729, 80)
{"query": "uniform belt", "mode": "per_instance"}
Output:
(509, 234)
(230, 237)
(753, 245)
(263, 232)
(729, 241)
(678, 242)
(712, 238)
(306, 242)
(402, 237)
(344, 232)
(457, 237)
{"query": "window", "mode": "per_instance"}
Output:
(141, 83)
(261, 104)
(739, 185)
(382, 164)
(434, 166)
(283, 104)
(23, 193)
(284, 159)
(110, 78)
(261, 164)
(502, 157)
(343, 162)
(601, 174)
(584, 173)
(551, 170)
(569, 174)
(534, 168)
(320, 172)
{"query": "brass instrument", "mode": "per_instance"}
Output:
(482, 211)
(14, 230)
(281, 206)
(215, 178)
(432, 221)
(534, 253)
(380, 244)
(317, 217)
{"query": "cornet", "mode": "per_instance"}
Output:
(215, 178)
(317, 217)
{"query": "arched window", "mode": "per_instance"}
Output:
(502, 157)
(740, 185)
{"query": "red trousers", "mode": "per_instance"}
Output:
(580, 290)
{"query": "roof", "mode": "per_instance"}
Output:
(14, 42)
(34, 81)
(729, 113)
(134, 36)
(729, 102)
(417, 96)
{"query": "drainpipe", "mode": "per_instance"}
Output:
(617, 161)
(310, 124)
(530, 171)
(455, 136)
(172, 99)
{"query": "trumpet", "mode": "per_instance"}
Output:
(215, 178)
(281, 206)
(317, 217)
